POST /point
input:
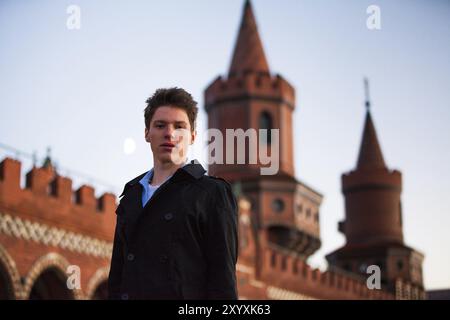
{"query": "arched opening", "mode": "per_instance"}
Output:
(51, 284)
(101, 292)
(6, 286)
(10, 283)
(265, 122)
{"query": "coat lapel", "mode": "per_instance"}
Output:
(132, 204)
(132, 200)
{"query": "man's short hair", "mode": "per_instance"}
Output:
(172, 97)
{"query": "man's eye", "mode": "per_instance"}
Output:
(180, 126)
(160, 126)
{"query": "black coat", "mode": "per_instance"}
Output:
(181, 245)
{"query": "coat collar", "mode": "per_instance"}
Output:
(193, 170)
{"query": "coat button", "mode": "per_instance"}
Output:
(168, 216)
(130, 257)
(124, 296)
(163, 258)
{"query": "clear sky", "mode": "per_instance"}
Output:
(83, 92)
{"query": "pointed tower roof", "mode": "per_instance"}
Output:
(248, 52)
(370, 155)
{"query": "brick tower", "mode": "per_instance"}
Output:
(373, 218)
(284, 212)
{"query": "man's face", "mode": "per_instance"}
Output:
(169, 135)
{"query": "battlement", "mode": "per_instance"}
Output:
(381, 177)
(250, 84)
(286, 271)
(48, 196)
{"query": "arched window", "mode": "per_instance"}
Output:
(265, 122)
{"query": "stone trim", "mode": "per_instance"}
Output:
(51, 260)
(53, 236)
(282, 294)
(99, 276)
(12, 273)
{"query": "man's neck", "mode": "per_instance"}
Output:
(161, 171)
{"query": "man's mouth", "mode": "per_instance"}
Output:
(168, 145)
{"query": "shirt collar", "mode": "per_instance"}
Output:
(193, 168)
(145, 180)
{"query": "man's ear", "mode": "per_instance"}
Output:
(193, 136)
(147, 138)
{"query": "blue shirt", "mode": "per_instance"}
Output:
(149, 190)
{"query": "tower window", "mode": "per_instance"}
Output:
(265, 122)
(278, 205)
(399, 265)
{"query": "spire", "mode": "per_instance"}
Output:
(366, 91)
(248, 52)
(48, 160)
(370, 155)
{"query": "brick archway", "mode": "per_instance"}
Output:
(99, 278)
(11, 274)
(50, 261)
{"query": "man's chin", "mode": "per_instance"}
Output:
(171, 159)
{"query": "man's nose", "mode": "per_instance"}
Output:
(169, 132)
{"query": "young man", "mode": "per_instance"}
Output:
(176, 231)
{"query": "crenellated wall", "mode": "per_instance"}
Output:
(47, 225)
(50, 198)
(251, 84)
(293, 274)
(269, 272)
